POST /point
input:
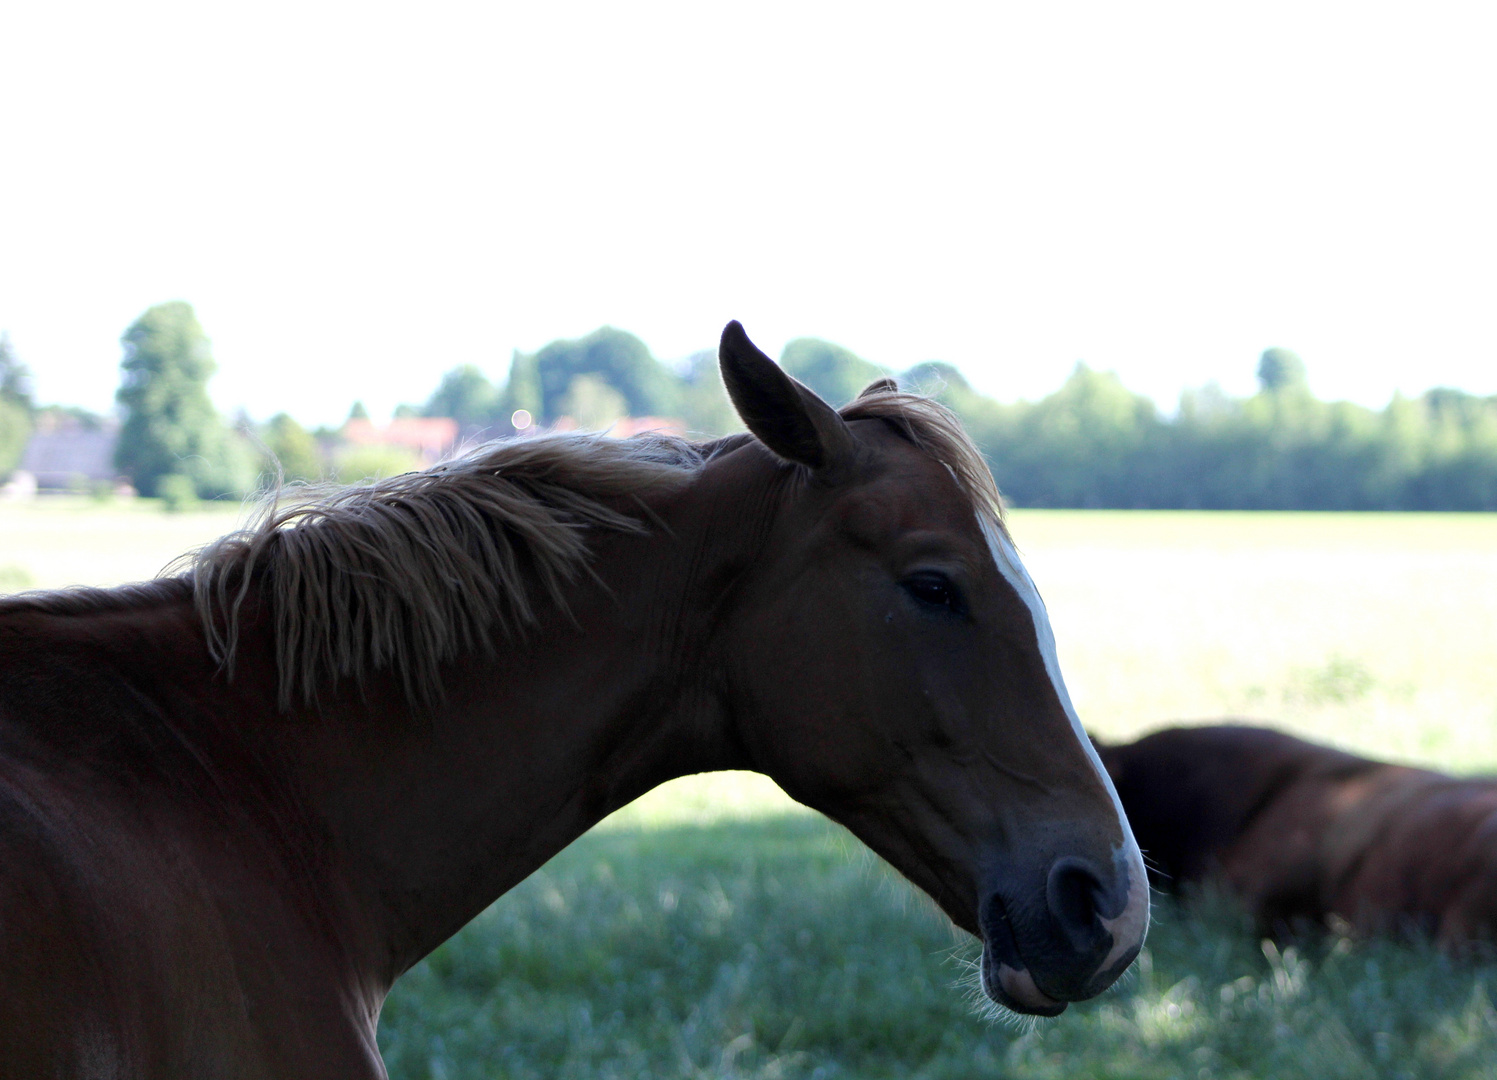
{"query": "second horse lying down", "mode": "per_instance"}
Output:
(1306, 833)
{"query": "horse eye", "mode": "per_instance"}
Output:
(933, 589)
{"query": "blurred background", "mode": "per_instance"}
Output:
(1211, 288)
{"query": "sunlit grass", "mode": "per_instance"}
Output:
(53, 543)
(764, 947)
(1374, 631)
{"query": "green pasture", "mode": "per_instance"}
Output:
(769, 946)
(53, 543)
(714, 929)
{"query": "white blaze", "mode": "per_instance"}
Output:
(1128, 927)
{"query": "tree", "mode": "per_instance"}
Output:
(522, 390)
(354, 464)
(937, 379)
(171, 429)
(466, 395)
(17, 409)
(1280, 370)
(1087, 444)
(704, 403)
(592, 403)
(293, 449)
(614, 357)
(837, 374)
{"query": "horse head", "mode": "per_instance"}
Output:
(892, 665)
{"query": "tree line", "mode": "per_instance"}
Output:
(1094, 443)
(1091, 443)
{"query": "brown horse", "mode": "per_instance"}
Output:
(1304, 833)
(235, 804)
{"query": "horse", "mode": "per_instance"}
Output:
(238, 801)
(1307, 835)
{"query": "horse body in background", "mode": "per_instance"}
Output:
(235, 805)
(1303, 832)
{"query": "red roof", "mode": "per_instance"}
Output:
(428, 435)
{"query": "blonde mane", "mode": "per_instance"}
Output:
(407, 573)
(935, 429)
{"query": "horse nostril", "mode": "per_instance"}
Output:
(1073, 892)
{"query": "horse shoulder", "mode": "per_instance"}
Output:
(1367, 874)
(140, 935)
(53, 1020)
(1469, 912)
(1437, 862)
(1298, 792)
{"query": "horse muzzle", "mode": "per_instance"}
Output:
(1044, 948)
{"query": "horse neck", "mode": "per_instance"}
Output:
(442, 810)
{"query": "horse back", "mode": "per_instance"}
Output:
(54, 1019)
(1300, 831)
(1422, 854)
(1192, 793)
(110, 965)
(145, 929)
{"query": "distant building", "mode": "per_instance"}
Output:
(432, 438)
(635, 425)
(626, 426)
(69, 454)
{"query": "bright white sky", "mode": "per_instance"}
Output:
(357, 197)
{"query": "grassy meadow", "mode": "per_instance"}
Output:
(714, 929)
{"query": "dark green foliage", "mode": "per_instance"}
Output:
(704, 403)
(466, 395)
(171, 428)
(837, 374)
(776, 948)
(1095, 444)
(611, 357)
(594, 380)
(523, 388)
(17, 409)
(1092, 443)
(1280, 370)
(1088, 444)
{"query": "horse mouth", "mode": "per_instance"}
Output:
(1039, 953)
(1006, 979)
(1015, 989)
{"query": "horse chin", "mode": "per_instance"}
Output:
(1015, 989)
(1006, 976)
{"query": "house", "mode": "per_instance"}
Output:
(625, 426)
(69, 454)
(432, 438)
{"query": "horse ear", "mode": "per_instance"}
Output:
(880, 386)
(787, 417)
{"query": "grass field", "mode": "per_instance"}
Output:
(53, 543)
(769, 947)
(715, 930)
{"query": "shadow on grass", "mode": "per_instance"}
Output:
(776, 947)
